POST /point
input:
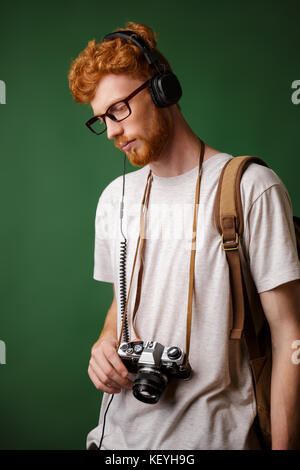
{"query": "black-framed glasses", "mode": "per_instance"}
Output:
(116, 112)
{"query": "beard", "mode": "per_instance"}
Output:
(151, 146)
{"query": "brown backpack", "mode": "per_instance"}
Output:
(246, 319)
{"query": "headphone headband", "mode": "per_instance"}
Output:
(150, 54)
(164, 86)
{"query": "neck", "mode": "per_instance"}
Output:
(182, 151)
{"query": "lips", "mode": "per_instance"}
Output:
(126, 145)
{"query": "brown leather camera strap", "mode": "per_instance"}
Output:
(141, 238)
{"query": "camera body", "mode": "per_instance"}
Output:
(154, 365)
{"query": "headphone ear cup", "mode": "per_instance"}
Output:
(165, 89)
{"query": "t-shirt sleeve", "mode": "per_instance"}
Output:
(270, 239)
(104, 236)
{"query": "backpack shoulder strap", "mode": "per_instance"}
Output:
(228, 212)
(228, 199)
(229, 222)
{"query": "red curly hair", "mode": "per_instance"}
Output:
(117, 56)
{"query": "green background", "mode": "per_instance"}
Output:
(236, 62)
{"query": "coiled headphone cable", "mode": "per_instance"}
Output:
(123, 250)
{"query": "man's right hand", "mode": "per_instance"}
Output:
(106, 370)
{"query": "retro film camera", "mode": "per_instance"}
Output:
(154, 365)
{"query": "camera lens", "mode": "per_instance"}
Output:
(149, 385)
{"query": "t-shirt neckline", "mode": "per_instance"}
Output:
(170, 180)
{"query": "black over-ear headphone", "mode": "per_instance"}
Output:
(164, 86)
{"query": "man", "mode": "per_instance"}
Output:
(216, 408)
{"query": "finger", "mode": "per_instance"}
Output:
(100, 385)
(107, 356)
(110, 363)
(114, 359)
(107, 374)
(108, 381)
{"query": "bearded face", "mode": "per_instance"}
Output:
(150, 141)
(148, 126)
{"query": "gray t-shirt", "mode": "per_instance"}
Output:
(216, 408)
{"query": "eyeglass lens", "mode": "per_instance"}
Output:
(118, 110)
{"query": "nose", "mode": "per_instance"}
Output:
(113, 129)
